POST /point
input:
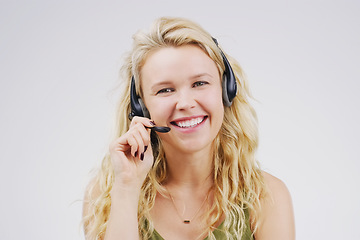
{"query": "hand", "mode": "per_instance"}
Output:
(131, 154)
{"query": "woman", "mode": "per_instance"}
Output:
(200, 179)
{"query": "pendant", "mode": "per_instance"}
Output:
(186, 221)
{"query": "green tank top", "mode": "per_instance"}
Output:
(217, 232)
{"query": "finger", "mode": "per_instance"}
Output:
(145, 135)
(140, 143)
(135, 139)
(141, 134)
(144, 121)
(132, 142)
(120, 144)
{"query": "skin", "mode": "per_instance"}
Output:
(180, 85)
(276, 220)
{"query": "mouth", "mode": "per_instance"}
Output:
(189, 123)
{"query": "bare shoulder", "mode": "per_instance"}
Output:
(276, 215)
(275, 186)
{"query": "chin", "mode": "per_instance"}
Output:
(195, 146)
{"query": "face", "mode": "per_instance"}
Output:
(182, 89)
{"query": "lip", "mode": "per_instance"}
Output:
(183, 119)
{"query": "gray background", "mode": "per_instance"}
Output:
(59, 65)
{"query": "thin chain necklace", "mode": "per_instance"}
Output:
(187, 221)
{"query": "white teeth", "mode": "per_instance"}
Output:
(190, 123)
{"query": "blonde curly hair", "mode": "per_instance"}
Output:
(238, 182)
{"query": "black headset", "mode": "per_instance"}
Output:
(229, 90)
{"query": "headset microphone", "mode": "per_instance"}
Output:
(160, 129)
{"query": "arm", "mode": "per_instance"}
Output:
(122, 221)
(131, 158)
(276, 217)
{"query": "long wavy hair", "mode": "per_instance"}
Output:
(238, 182)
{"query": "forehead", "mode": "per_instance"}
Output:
(168, 63)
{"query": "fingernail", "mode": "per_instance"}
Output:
(142, 157)
(145, 148)
(135, 154)
(152, 122)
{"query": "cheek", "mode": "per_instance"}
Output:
(214, 100)
(213, 104)
(159, 110)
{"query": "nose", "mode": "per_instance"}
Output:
(185, 100)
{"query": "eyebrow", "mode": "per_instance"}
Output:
(168, 82)
(159, 84)
(201, 75)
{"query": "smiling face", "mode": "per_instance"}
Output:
(182, 89)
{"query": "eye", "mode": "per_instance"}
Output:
(199, 83)
(165, 90)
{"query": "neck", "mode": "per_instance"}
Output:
(189, 170)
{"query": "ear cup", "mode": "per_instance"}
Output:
(229, 86)
(228, 83)
(137, 105)
(144, 109)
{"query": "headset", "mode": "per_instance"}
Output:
(229, 90)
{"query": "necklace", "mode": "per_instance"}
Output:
(186, 221)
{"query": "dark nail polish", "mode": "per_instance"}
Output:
(145, 148)
(135, 154)
(142, 156)
(152, 122)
